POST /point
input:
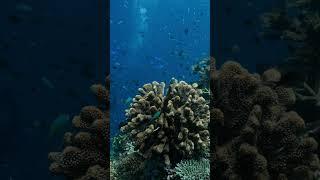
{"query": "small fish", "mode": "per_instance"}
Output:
(156, 115)
(180, 53)
(157, 62)
(278, 151)
(125, 5)
(186, 31)
(141, 33)
(59, 125)
(235, 49)
(128, 101)
(143, 10)
(120, 22)
(24, 7)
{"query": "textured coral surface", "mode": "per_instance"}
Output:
(172, 124)
(85, 156)
(255, 135)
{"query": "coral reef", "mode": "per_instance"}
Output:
(172, 125)
(298, 24)
(254, 133)
(202, 68)
(86, 151)
(128, 167)
(121, 145)
(193, 169)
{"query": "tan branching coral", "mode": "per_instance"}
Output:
(255, 135)
(85, 156)
(173, 125)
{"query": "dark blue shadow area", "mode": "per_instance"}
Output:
(237, 35)
(48, 60)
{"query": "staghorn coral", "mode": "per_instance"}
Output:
(193, 169)
(254, 135)
(85, 156)
(172, 125)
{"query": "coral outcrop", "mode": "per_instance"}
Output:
(298, 24)
(85, 156)
(254, 133)
(170, 124)
(193, 169)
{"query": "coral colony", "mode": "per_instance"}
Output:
(181, 129)
(254, 134)
(85, 155)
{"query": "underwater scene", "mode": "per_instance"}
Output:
(158, 114)
(182, 90)
(156, 48)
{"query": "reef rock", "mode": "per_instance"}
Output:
(86, 151)
(254, 134)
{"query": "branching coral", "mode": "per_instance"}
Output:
(172, 124)
(86, 151)
(193, 169)
(312, 96)
(255, 136)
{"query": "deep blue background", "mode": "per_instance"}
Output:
(177, 36)
(238, 24)
(57, 40)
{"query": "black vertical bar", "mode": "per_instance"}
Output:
(106, 21)
(100, 40)
(104, 51)
(211, 28)
(103, 30)
(107, 33)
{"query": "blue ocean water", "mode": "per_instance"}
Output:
(154, 41)
(49, 59)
